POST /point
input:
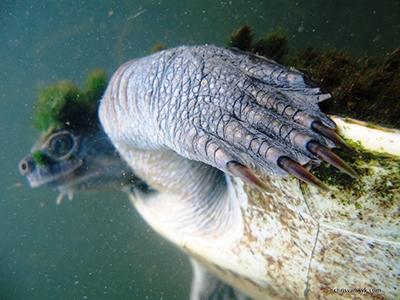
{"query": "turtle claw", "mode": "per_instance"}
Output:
(300, 172)
(244, 173)
(327, 155)
(330, 134)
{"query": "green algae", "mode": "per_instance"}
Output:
(65, 105)
(274, 46)
(95, 85)
(158, 47)
(362, 88)
(379, 177)
(41, 158)
(241, 38)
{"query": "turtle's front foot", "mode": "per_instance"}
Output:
(262, 116)
(229, 109)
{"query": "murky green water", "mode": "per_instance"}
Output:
(97, 246)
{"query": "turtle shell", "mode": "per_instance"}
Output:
(296, 241)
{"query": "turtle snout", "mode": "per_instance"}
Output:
(25, 166)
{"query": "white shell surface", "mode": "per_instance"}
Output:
(297, 242)
(375, 138)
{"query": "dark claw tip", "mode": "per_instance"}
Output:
(243, 172)
(300, 172)
(327, 155)
(330, 134)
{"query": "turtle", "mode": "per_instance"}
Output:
(216, 149)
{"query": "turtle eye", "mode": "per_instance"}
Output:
(60, 145)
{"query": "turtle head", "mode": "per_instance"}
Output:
(73, 153)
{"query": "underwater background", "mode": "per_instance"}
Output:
(97, 246)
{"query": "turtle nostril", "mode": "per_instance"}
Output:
(25, 167)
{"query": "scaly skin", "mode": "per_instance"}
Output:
(217, 106)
